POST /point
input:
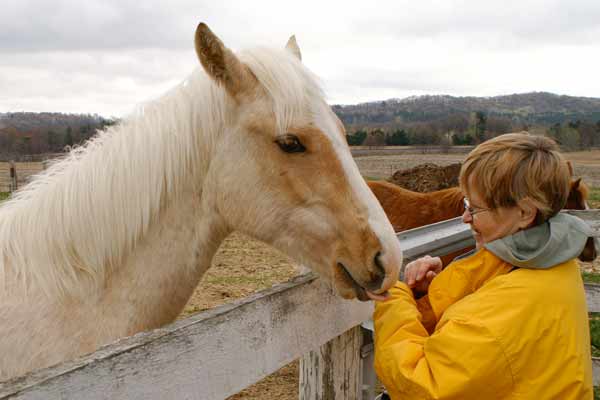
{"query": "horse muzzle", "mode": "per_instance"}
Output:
(363, 289)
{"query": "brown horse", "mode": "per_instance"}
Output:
(407, 209)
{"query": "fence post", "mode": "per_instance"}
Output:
(367, 355)
(332, 372)
(13, 177)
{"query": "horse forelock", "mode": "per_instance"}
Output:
(295, 92)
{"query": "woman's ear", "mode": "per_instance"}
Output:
(528, 213)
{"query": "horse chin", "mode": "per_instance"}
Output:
(346, 286)
(589, 252)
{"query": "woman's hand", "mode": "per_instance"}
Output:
(418, 274)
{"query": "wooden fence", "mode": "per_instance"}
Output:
(217, 353)
(361, 151)
(14, 175)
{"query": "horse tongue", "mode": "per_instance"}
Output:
(378, 297)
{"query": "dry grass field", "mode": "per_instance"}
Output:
(243, 265)
(25, 170)
(586, 164)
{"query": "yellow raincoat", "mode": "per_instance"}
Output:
(487, 331)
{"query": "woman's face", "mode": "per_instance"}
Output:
(490, 224)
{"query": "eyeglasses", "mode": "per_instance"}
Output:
(471, 210)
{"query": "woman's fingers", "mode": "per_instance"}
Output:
(422, 286)
(430, 275)
(409, 273)
(435, 264)
(423, 270)
(419, 269)
(413, 271)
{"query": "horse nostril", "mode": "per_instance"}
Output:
(377, 262)
(379, 273)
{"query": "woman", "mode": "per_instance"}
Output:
(509, 320)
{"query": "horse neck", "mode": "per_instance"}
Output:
(160, 274)
(85, 217)
(447, 203)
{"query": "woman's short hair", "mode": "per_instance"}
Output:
(517, 166)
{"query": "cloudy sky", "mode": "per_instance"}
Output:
(106, 56)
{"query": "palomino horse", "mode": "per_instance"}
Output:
(428, 208)
(113, 239)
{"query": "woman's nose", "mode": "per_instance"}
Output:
(467, 218)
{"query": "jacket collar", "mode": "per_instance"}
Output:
(553, 242)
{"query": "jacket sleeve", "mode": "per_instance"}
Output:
(428, 318)
(460, 360)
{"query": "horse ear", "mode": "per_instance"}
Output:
(292, 46)
(570, 168)
(575, 184)
(221, 64)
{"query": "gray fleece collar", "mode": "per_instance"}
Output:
(557, 240)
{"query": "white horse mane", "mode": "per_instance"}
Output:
(80, 218)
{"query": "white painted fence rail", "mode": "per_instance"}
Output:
(219, 352)
(211, 355)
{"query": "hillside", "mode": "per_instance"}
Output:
(424, 120)
(34, 133)
(24, 121)
(538, 108)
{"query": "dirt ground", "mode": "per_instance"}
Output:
(427, 177)
(382, 167)
(243, 265)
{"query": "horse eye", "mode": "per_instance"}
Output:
(290, 144)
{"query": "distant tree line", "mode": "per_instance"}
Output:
(27, 138)
(461, 129)
(576, 135)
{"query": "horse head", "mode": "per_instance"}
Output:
(577, 200)
(283, 173)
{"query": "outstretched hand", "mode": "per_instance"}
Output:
(418, 274)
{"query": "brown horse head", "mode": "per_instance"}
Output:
(578, 195)
(577, 200)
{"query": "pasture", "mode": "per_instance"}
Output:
(586, 163)
(25, 170)
(243, 265)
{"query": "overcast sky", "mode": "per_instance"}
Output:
(106, 56)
